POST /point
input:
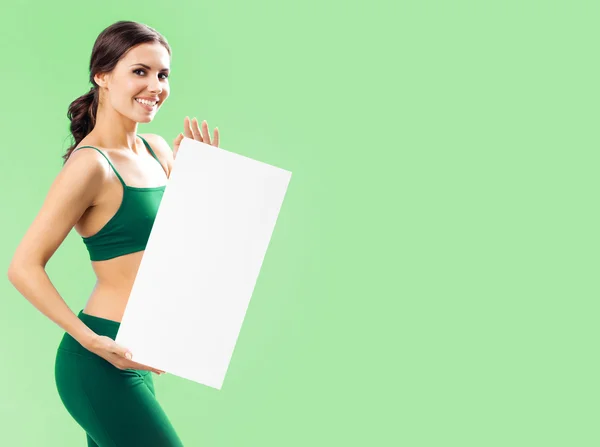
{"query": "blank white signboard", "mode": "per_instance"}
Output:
(202, 261)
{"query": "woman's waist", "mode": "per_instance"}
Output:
(109, 298)
(101, 326)
(118, 272)
(115, 287)
(107, 302)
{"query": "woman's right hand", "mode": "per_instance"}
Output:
(117, 355)
(192, 130)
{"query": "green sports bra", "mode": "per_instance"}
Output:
(129, 229)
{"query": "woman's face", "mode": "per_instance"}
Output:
(142, 73)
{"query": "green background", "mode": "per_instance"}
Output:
(432, 279)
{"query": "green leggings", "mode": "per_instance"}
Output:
(116, 408)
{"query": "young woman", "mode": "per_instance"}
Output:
(109, 189)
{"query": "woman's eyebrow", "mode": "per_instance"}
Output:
(148, 68)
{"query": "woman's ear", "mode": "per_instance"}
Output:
(101, 79)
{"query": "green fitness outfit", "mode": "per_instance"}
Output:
(116, 408)
(129, 229)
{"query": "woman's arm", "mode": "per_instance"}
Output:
(72, 192)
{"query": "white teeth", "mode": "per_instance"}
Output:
(144, 101)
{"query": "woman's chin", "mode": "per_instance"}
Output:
(144, 119)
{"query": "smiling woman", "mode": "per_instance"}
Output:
(109, 190)
(121, 72)
(149, 102)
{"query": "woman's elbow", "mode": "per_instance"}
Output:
(18, 271)
(12, 274)
(15, 271)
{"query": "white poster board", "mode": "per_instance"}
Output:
(202, 261)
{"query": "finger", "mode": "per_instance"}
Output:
(146, 368)
(176, 144)
(121, 351)
(216, 137)
(205, 134)
(196, 130)
(136, 365)
(187, 128)
(178, 140)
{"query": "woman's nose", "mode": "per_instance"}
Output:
(155, 87)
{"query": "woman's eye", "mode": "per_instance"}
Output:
(162, 74)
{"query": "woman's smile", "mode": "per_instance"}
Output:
(146, 104)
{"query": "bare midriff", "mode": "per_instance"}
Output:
(114, 281)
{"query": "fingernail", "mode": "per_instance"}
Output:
(128, 355)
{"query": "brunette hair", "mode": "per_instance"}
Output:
(110, 46)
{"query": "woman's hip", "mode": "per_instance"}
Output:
(75, 365)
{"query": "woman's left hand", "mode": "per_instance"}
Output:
(192, 130)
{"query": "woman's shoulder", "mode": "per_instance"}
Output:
(86, 168)
(90, 148)
(160, 147)
(87, 152)
(158, 143)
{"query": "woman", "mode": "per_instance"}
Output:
(109, 189)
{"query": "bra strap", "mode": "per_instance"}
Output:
(111, 165)
(153, 154)
(151, 151)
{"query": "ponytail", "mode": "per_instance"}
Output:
(82, 114)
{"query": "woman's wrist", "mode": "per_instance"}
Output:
(87, 339)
